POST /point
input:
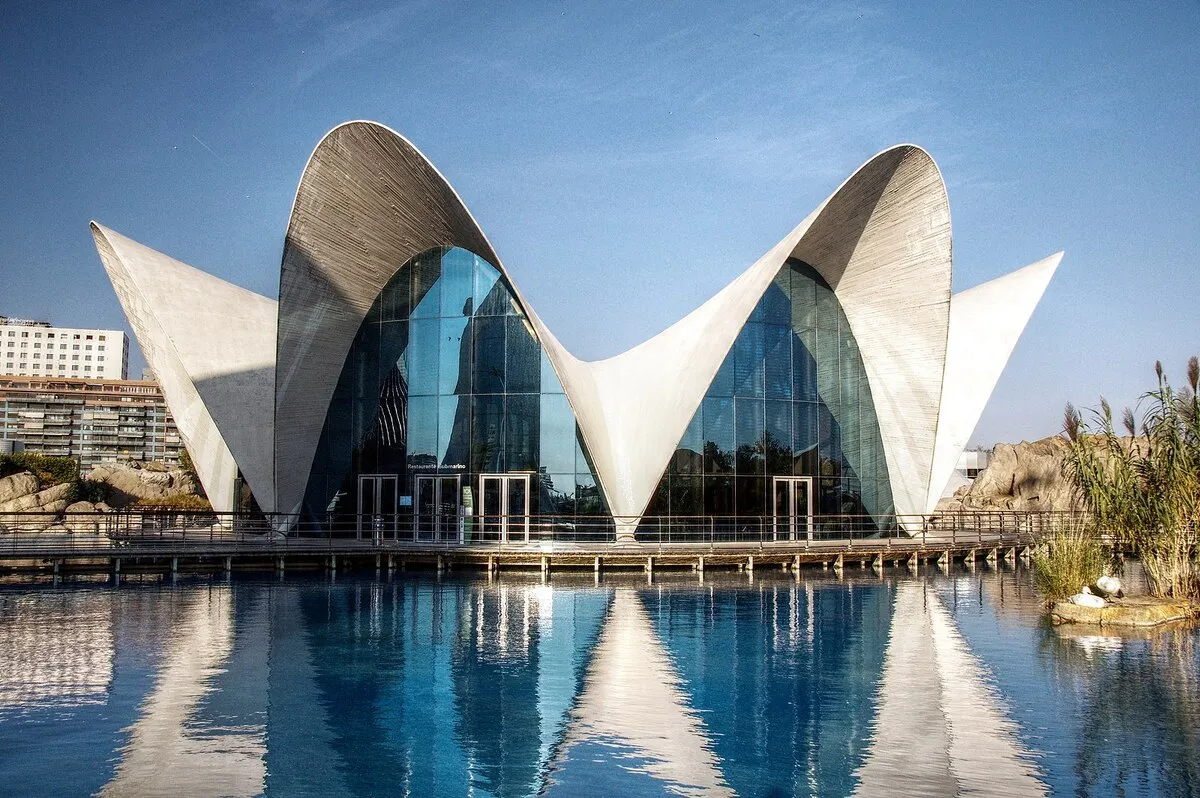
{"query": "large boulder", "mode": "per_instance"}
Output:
(53, 499)
(18, 486)
(1021, 476)
(129, 483)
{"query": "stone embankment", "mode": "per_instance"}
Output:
(1137, 612)
(26, 504)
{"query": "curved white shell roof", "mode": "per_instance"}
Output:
(369, 201)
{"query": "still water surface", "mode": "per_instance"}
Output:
(750, 685)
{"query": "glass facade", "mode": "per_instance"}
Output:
(449, 415)
(787, 426)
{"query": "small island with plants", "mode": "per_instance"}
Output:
(1140, 496)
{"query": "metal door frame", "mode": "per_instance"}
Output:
(387, 520)
(439, 532)
(792, 521)
(504, 519)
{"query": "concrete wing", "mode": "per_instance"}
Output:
(985, 323)
(211, 345)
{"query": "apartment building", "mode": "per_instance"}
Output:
(39, 349)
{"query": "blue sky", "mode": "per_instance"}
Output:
(627, 160)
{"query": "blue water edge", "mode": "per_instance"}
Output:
(759, 684)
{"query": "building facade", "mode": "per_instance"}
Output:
(401, 380)
(89, 421)
(37, 349)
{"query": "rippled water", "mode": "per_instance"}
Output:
(736, 685)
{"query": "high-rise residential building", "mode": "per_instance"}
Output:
(90, 421)
(39, 349)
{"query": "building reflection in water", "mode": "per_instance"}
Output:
(514, 688)
(940, 729)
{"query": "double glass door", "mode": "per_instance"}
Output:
(504, 507)
(438, 514)
(793, 508)
(376, 506)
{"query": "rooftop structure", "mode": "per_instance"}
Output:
(402, 376)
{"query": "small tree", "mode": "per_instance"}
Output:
(1144, 490)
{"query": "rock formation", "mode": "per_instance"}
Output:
(128, 482)
(1021, 476)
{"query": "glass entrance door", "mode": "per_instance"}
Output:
(504, 507)
(437, 515)
(376, 506)
(793, 508)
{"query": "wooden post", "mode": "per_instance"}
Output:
(649, 565)
(838, 562)
(545, 564)
(877, 563)
(913, 562)
(228, 564)
(598, 565)
(750, 563)
(441, 564)
(700, 563)
(944, 557)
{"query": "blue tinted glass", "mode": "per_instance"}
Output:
(588, 501)
(804, 297)
(778, 441)
(489, 292)
(487, 433)
(454, 357)
(827, 366)
(395, 299)
(776, 305)
(778, 373)
(748, 435)
(750, 496)
(827, 309)
(718, 435)
(718, 496)
(453, 430)
(557, 434)
(458, 270)
(422, 431)
(426, 287)
(521, 432)
(523, 358)
(423, 355)
(749, 354)
(489, 354)
(805, 438)
(804, 368)
(558, 493)
(722, 384)
(550, 382)
(687, 496)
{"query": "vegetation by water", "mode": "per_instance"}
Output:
(1143, 491)
(1068, 559)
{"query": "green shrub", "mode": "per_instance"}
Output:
(177, 501)
(48, 470)
(1067, 560)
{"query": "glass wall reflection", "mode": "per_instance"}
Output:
(791, 399)
(446, 382)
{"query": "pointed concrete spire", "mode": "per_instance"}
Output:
(211, 345)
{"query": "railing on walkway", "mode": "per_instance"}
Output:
(41, 534)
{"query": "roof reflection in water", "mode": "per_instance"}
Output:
(939, 729)
(176, 746)
(634, 704)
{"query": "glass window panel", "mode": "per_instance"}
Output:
(689, 455)
(751, 496)
(827, 366)
(660, 500)
(557, 494)
(804, 296)
(722, 384)
(454, 430)
(827, 309)
(426, 287)
(749, 356)
(779, 438)
(454, 357)
(830, 442)
(557, 435)
(718, 496)
(487, 433)
(687, 496)
(423, 432)
(550, 381)
(523, 358)
(395, 296)
(457, 277)
(490, 294)
(588, 501)
(805, 439)
(749, 428)
(778, 373)
(776, 306)
(489, 354)
(718, 435)
(422, 356)
(804, 367)
(522, 432)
